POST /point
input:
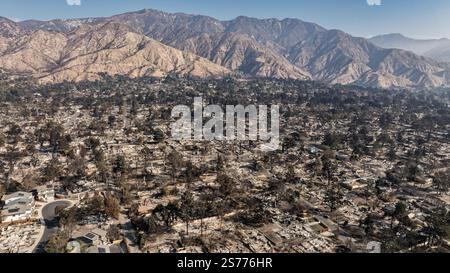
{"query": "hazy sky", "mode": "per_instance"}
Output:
(415, 18)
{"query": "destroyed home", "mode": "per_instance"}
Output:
(348, 172)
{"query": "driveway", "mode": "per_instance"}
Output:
(51, 223)
(128, 232)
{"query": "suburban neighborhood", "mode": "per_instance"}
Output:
(104, 176)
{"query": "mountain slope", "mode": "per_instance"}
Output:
(399, 41)
(327, 55)
(280, 35)
(208, 37)
(9, 28)
(440, 53)
(226, 43)
(241, 53)
(337, 57)
(437, 49)
(100, 48)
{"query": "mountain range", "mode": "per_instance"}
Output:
(437, 49)
(155, 43)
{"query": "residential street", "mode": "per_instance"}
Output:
(51, 225)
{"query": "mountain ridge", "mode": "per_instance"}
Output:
(287, 48)
(90, 50)
(437, 49)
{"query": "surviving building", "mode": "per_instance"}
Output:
(17, 206)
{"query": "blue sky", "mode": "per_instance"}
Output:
(415, 18)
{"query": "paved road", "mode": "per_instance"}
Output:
(51, 223)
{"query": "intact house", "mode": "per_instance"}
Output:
(17, 206)
(94, 237)
(20, 195)
(101, 249)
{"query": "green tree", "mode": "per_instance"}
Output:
(52, 171)
(96, 204)
(113, 233)
(67, 218)
(57, 242)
